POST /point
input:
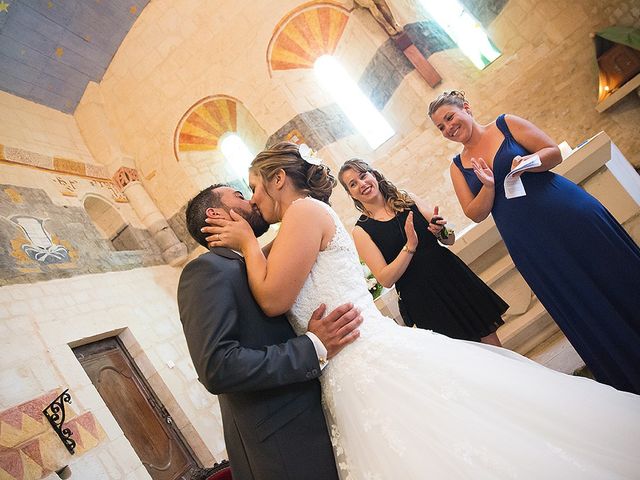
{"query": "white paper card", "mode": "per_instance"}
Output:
(513, 186)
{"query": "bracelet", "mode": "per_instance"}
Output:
(406, 249)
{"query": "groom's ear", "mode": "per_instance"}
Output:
(212, 212)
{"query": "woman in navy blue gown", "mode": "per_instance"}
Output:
(579, 261)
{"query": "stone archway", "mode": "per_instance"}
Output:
(110, 223)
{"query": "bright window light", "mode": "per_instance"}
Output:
(464, 29)
(237, 154)
(356, 106)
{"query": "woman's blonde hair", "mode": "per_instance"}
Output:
(396, 200)
(454, 97)
(314, 180)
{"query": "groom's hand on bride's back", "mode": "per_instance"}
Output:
(338, 329)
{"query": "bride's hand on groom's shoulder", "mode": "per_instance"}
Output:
(235, 233)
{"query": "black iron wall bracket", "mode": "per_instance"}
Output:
(55, 414)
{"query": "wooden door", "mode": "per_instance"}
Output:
(143, 419)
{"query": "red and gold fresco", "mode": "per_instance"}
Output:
(295, 136)
(14, 195)
(206, 122)
(306, 34)
(66, 165)
(95, 174)
(30, 449)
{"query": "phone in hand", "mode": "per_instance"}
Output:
(444, 233)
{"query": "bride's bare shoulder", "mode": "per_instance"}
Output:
(308, 211)
(307, 205)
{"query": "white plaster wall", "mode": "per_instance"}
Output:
(36, 128)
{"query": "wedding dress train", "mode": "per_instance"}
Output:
(406, 403)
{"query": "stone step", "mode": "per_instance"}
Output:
(524, 332)
(557, 353)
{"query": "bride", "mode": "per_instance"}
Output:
(409, 403)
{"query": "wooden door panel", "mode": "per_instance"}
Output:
(143, 420)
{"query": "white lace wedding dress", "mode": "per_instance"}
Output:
(404, 403)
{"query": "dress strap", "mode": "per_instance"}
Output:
(502, 126)
(458, 162)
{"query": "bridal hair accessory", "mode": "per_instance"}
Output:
(309, 155)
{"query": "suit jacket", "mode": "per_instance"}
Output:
(264, 375)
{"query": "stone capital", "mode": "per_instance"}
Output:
(124, 176)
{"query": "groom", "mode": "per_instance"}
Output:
(265, 377)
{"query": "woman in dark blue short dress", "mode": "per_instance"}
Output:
(579, 261)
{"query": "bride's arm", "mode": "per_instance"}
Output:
(276, 281)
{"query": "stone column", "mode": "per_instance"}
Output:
(102, 141)
(174, 252)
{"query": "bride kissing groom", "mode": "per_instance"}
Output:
(405, 403)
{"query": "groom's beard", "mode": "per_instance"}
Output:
(255, 220)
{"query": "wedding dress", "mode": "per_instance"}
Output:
(406, 403)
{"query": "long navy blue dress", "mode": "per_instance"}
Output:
(578, 260)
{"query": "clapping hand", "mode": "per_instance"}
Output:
(234, 233)
(410, 232)
(483, 172)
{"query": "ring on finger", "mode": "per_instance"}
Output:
(218, 236)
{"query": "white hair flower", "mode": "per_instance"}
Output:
(309, 155)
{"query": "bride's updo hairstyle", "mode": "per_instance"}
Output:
(454, 97)
(396, 200)
(314, 180)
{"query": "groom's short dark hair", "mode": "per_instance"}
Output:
(196, 211)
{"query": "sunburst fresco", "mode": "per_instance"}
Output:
(206, 123)
(307, 35)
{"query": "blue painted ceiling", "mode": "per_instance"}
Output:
(51, 49)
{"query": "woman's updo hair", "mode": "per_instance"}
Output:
(395, 199)
(315, 180)
(454, 97)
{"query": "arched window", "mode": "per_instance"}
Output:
(464, 29)
(237, 154)
(214, 142)
(306, 38)
(355, 104)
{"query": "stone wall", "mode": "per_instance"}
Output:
(47, 174)
(179, 53)
(39, 323)
(546, 73)
(46, 231)
(31, 449)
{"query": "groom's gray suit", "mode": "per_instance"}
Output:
(265, 377)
